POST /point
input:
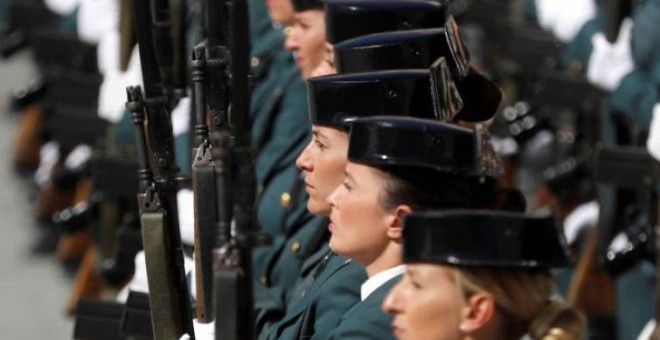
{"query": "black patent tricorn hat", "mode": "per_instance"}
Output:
(402, 49)
(303, 5)
(481, 238)
(419, 49)
(346, 19)
(337, 100)
(414, 144)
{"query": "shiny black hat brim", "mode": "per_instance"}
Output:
(304, 5)
(481, 97)
(414, 49)
(336, 100)
(484, 239)
(413, 143)
(346, 19)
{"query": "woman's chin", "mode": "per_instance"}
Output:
(318, 208)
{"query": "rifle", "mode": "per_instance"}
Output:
(634, 170)
(223, 175)
(168, 290)
(234, 301)
(209, 73)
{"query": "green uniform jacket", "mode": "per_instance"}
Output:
(270, 302)
(280, 130)
(292, 256)
(638, 91)
(367, 320)
(316, 309)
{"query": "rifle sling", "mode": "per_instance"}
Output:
(205, 218)
(160, 275)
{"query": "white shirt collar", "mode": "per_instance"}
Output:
(379, 279)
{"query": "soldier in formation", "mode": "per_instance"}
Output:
(407, 169)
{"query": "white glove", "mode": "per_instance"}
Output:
(48, 156)
(647, 331)
(609, 63)
(203, 331)
(140, 282)
(653, 141)
(133, 74)
(181, 116)
(112, 97)
(108, 53)
(79, 155)
(185, 205)
(96, 18)
(564, 18)
(112, 94)
(62, 7)
(583, 217)
(573, 14)
(547, 12)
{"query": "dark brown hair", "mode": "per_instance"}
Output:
(424, 189)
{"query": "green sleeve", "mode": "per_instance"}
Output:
(635, 97)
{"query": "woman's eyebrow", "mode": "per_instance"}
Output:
(319, 135)
(348, 176)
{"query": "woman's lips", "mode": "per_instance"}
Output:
(397, 331)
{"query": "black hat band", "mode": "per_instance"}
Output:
(484, 239)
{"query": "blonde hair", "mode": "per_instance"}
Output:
(524, 299)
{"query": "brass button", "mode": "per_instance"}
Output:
(264, 280)
(576, 66)
(285, 199)
(288, 31)
(295, 246)
(255, 62)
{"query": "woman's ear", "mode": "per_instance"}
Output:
(395, 225)
(479, 310)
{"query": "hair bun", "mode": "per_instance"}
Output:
(557, 321)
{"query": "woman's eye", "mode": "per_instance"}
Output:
(347, 186)
(415, 284)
